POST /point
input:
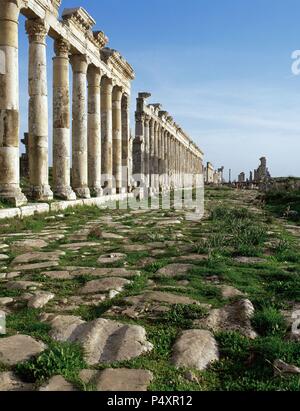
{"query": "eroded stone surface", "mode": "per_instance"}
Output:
(195, 349)
(37, 257)
(56, 384)
(250, 260)
(173, 270)
(103, 341)
(36, 266)
(10, 382)
(105, 285)
(230, 292)
(22, 285)
(40, 299)
(120, 379)
(29, 244)
(106, 272)
(111, 258)
(281, 367)
(58, 275)
(232, 317)
(19, 348)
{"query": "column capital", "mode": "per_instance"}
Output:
(156, 126)
(117, 92)
(94, 75)
(147, 120)
(125, 101)
(107, 84)
(37, 30)
(61, 47)
(79, 63)
(10, 10)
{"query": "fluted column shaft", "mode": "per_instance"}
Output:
(171, 161)
(126, 150)
(166, 160)
(79, 127)
(156, 155)
(161, 158)
(61, 122)
(94, 131)
(107, 141)
(152, 152)
(9, 105)
(147, 151)
(117, 138)
(38, 111)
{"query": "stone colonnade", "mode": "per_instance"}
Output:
(164, 157)
(88, 143)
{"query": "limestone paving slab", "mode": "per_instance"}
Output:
(19, 348)
(173, 270)
(105, 285)
(195, 349)
(119, 379)
(10, 382)
(103, 341)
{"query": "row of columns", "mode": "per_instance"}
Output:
(100, 122)
(161, 161)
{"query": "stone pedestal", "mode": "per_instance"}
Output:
(94, 131)
(79, 127)
(106, 129)
(9, 106)
(61, 122)
(38, 111)
(117, 137)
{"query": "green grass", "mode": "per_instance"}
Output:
(232, 229)
(64, 359)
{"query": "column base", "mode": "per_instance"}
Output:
(151, 191)
(41, 193)
(65, 193)
(121, 190)
(109, 191)
(13, 196)
(96, 192)
(83, 192)
(139, 193)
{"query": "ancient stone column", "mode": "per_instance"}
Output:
(166, 160)
(106, 130)
(170, 149)
(126, 151)
(139, 148)
(38, 111)
(117, 138)
(156, 156)
(161, 158)
(181, 163)
(147, 151)
(94, 131)
(151, 153)
(79, 127)
(61, 122)
(9, 105)
(177, 162)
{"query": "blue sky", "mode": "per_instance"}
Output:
(222, 68)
